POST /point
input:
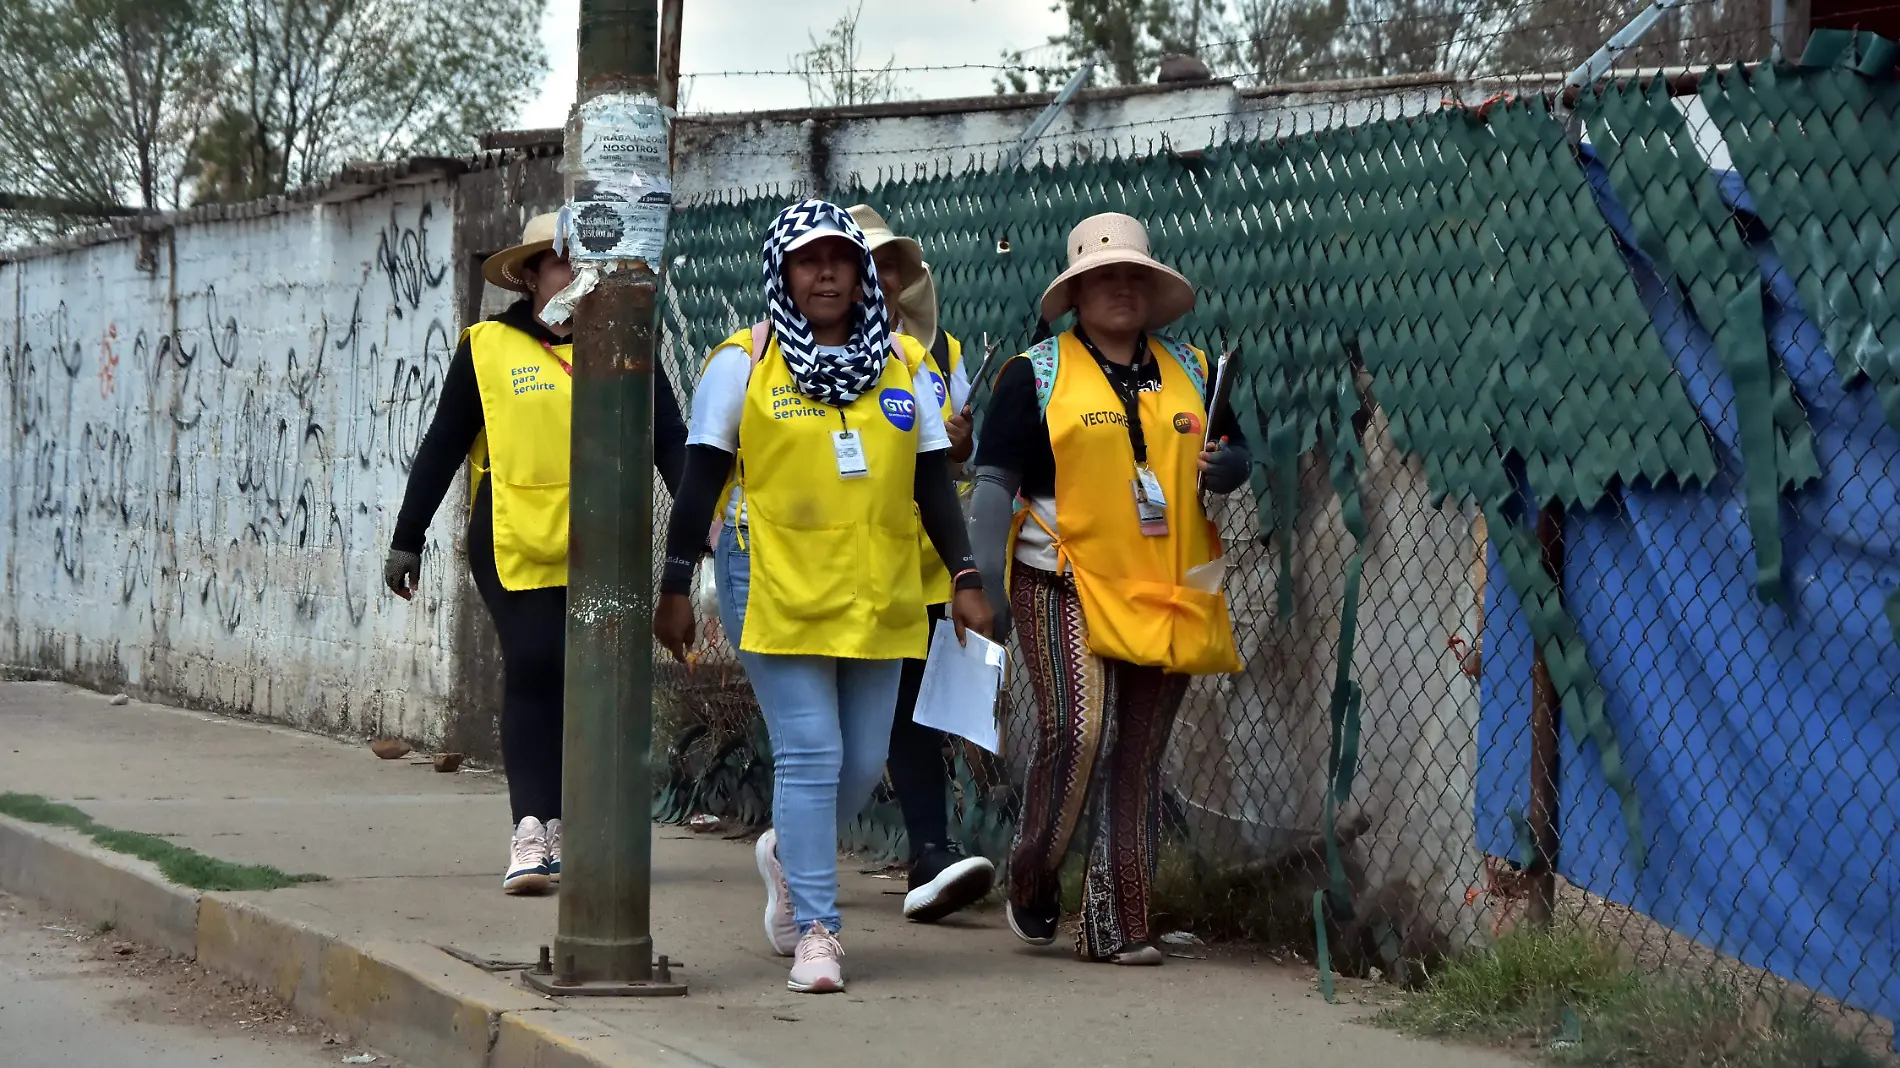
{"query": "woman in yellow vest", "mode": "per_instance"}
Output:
(1089, 473)
(942, 878)
(809, 429)
(504, 411)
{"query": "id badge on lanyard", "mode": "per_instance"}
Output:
(1151, 504)
(848, 447)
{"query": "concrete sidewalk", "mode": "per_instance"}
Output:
(413, 860)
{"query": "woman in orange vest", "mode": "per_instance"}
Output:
(504, 412)
(809, 434)
(1094, 454)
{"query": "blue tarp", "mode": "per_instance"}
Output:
(1764, 742)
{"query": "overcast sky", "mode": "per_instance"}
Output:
(763, 35)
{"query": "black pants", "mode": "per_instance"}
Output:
(532, 626)
(916, 762)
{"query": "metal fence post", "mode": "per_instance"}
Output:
(1545, 707)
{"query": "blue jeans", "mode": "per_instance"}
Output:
(830, 723)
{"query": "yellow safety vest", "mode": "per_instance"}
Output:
(527, 406)
(935, 383)
(1135, 602)
(834, 560)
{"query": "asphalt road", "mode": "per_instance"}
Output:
(71, 997)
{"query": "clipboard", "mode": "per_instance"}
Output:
(1225, 371)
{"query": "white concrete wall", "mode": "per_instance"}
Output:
(745, 153)
(203, 461)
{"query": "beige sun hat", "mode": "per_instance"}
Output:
(917, 304)
(504, 268)
(1101, 240)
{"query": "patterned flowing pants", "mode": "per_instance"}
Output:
(1101, 729)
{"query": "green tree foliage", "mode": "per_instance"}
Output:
(1282, 41)
(318, 83)
(159, 103)
(100, 96)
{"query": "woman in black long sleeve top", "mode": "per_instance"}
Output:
(504, 411)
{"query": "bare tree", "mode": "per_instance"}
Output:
(1278, 41)
(833, 68)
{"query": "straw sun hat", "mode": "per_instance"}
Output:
(917, 304)
(504, 268)
(1102, 240)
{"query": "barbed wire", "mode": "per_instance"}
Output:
(910, 69)
(1464, 52)
(1232, 119)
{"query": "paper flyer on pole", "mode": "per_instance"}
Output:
(623, 189)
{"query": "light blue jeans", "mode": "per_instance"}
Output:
(830, 724)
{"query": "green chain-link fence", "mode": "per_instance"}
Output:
(1575, 434)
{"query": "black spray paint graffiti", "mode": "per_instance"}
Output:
(214, 485)
(403, 255)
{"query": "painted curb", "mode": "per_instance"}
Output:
(410, 1000)
(65, 869)
(566, 1039)
(407, 999)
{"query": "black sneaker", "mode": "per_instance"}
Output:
(1034, 926)
(943, 880)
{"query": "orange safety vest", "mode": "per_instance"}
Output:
(1136, 603)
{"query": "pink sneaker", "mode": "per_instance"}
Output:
(820, 967)
(781, 928)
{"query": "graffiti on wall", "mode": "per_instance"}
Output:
(204, 470)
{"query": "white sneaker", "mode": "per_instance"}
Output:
(781, 928)
(527, 859)
(820, 967)
(554, 852)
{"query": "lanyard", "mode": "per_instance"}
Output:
(1127, 387)
(565, 366)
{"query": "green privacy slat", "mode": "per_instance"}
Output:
(1806, 141)
(1466, 264)
(1683, 225)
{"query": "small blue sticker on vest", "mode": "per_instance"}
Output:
(899, 407)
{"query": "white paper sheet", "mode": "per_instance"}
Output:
(958, 693)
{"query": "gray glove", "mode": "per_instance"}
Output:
(402, 573)
(1227, 470)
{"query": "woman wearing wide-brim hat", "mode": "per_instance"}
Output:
(1113, 573)
(943, 879)
(504, 410)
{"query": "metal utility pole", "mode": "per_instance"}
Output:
(619, 196)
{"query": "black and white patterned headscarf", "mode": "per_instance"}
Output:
(828, 378)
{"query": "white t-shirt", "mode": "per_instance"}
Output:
(960, 384)
(719, 402)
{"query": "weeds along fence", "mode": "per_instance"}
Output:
(1567, 577)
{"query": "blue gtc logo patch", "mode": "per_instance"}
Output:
(937, 387)
(899, 407)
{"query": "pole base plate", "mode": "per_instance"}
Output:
(646, 988)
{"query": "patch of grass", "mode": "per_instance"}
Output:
(182, 865)
(104, 928)
(1567, 994)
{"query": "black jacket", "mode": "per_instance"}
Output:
(458, 419)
